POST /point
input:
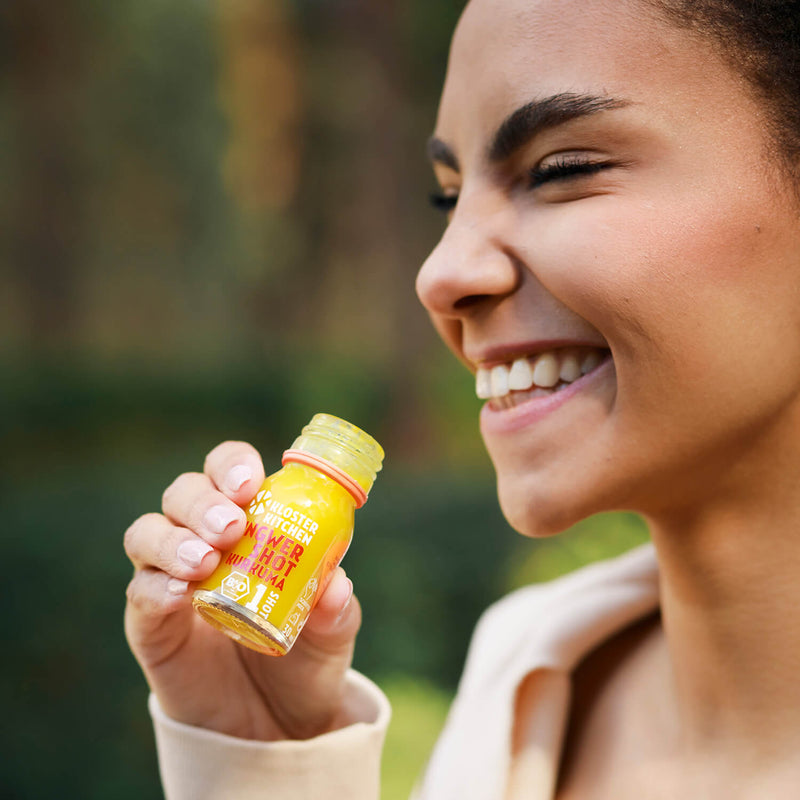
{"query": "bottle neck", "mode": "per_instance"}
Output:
(296, 456)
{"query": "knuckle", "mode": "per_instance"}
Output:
(171, 498)
(146, 594)
(142, 602)
(133, 534)
(129, 537)
(169, 493)
(197, 508)
(135, 594)
(231, 450)
(167, 554)
(216, 455)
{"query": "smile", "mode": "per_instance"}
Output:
(506, 385)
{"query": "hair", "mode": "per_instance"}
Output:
(760, 39)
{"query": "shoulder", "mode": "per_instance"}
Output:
(547, 625)
(554, 624)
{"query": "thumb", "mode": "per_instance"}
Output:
(336, 618)
(306, 686)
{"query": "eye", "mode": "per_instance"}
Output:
(563, 168)
(443, 202)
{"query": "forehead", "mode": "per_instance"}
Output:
(507, 52)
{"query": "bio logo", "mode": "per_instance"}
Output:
(236, 586)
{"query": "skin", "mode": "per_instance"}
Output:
(667, 259)
(200, 676)
(682, 259)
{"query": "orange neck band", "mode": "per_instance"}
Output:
(331, 470)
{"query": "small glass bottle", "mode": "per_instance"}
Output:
(299, 526)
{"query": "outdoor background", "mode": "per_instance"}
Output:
(211, 216)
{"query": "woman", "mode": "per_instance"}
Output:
(620, 271)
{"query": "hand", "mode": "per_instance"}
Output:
(200, 676)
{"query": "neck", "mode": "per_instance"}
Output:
(731, 615)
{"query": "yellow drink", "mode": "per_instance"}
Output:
(299, 527)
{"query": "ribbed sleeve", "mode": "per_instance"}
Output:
(198, 764)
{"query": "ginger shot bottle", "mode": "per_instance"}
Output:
(299, 526)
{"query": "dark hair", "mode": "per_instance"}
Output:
(761, 40)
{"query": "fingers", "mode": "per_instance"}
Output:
(153, 593)
(236, 470)
(158, 616)
(154, 542)
(192, 500)
(201, 519)
(210, 504)
(306, 685)
(336, 618)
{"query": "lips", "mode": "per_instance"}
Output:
(507, 384)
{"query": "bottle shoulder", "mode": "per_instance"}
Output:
(302, 485)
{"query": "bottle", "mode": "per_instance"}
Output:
(299, 526)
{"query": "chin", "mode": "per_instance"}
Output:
(531, 514)
(539, 514)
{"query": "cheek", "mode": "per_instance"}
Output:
(701, 308)
(690, 275)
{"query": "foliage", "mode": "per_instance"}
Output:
(418, 713)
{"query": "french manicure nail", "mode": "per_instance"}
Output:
(192, 552)
(175, 586)
(237, 477)
(217, 518)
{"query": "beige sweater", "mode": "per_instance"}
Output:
(538, 633)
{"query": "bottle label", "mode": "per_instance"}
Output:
(282, 517)
(278, 568)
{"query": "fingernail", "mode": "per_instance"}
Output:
(217, 518)
(346, 602)
(174, 586)
(192, 552)
(237, 477)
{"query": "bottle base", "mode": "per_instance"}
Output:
(241, 624)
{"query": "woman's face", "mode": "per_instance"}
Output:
(618, 229)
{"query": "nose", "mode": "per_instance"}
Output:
(470, 266)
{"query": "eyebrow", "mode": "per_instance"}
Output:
(441, 153)
(527, 122)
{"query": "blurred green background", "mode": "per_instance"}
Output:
(211, 216)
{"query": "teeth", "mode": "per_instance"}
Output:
(483, 384)
(591, 360)
(542, 375)
(499, 379)
(521, 376)
(545, 373)
(570, 368)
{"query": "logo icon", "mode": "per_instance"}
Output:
(259, 504)
(236, 586)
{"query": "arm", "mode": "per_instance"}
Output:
(202, 681)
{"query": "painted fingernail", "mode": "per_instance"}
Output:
(217, 518)
(347, 601)
(237, 477)
(192, 552)
(174, 586)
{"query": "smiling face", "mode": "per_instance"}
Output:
(622, 266)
